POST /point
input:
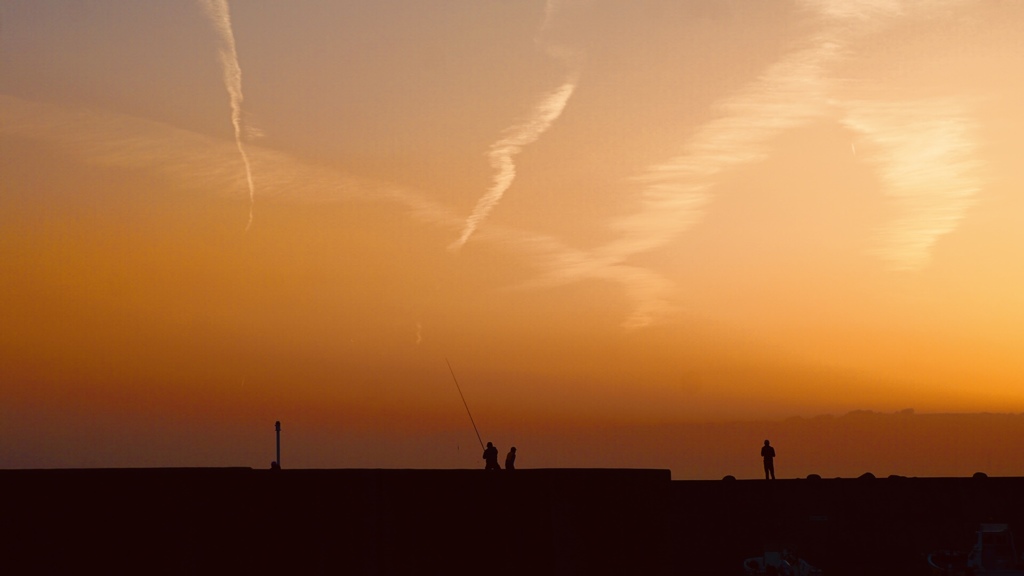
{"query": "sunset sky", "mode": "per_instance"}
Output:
(614, 219)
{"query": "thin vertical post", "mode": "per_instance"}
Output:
(277, 428)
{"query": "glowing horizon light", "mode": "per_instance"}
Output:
(685, 227)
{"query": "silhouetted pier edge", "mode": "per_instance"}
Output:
(548, 521)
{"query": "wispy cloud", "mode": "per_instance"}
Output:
(855, 12)
(648, 292)
(925, 152)
(200, 162)
(191, 159)
(220, 17)
(544, 114)
(503, 151)
(676, 192)
(925, 155)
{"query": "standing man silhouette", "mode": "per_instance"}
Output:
(491, 458)
(768, 453)
(510, 460)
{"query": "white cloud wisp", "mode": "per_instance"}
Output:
(220, 17)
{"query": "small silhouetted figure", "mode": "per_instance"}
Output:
(274, 465)
(768, 453)
(510, 460)
(491, 458)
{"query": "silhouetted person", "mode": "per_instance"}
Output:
(491, 457)
(274, 465)
(768, 454)
(510, 460)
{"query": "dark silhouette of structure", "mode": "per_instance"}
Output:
(357, 522)
(383, 522)
(491, 458)
(510, 459)
(768, 454)
(277, 429)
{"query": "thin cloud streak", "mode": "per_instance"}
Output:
(220, 17)
(503, 151)
(544, 115)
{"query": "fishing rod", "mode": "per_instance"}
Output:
(459, 388)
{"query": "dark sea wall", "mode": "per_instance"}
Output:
(573, 521)
(242, 521)
(842, 526)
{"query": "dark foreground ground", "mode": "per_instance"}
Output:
(573, 521)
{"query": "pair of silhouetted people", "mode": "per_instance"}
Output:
(491, 458)
(768, 454)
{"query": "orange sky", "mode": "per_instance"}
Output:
(608, 216)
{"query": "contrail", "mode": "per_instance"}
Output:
(544, 115)
(217, 10)
(502, 152)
